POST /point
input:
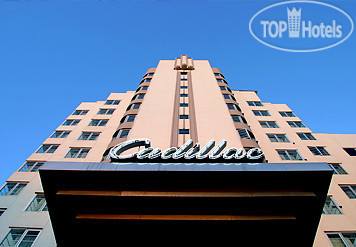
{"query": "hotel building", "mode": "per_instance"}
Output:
(301, 193)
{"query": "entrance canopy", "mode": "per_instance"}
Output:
(98, 204)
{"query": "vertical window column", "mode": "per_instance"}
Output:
(183, 119)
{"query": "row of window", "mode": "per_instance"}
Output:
(266, 113)
(72, 153)
(108, 102)
(294, 154)
(88, 136)
(28, 236)
(273, 124)
(94, 122)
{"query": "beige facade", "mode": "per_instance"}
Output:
(179, 100)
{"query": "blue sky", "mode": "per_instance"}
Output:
(56, 54)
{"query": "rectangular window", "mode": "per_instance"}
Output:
(351, 151)
(135, 106)
(342, 239)
(321, 151)
(254, 103)
(31, 166)
(149, 74)
(11, 189)
(306, 136)
(244, 133)
(238, 119)
(183, 95)
(350, 190)
(21, 237)
(71, 122)
(38, 204)
(112, 102)
(233, 107)
(123, 133)
(269, 124)
(289, 155)
(278, 138)
(296, 124)
(98, 122)
(47, 149)
(338, 169)
(183, 87)
(287, 114)
(183, 131)
(183, 105)
(89, 136)
(106, 111)
(128, 118)
(2, 210)
(80, 112)
(183, 116)
(143, 88)
(261, 113)
(139, 96)
(224, 88)
(77, 153)
(60, 134)
(331, 207)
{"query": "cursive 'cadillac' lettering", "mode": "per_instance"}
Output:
(188, 151)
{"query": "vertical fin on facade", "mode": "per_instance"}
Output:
(184, 63)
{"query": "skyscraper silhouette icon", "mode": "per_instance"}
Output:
(294, 16)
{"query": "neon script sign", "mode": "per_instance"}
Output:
(188, 151)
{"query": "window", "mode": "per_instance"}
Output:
(350, 190)
(278, 138)
(342, 239)
(306, 136)
(221, 80)
(244, 133)
(319, 151)
(138, 96)
(289, 155)
(269, 124)
(330, 206)
(31, 166)
(80, 112)
(287, 114)
(122, 133)
(233, 107)
(142, 88)
(238, 119)
(20, 237)
(261, 113)
(134, 106)
(183, 87)
(183, 95)
(351, 151)
(11, 189)
(146, 80)
(218, 74)
(228, 96)
(128, 118)
(296, 124)
(112, 102)
(38, 204)
(149, 74)
(60, 134)
(89, 136)
(77, 153)
(183, 105)
(71, 122)
(47, 149)
(338, 169)
(106, 111)
(2, 210)
(183, 116)
(254, 103)
(183, 131)
(98, 122)
(224, 88)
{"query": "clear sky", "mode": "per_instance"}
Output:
(56, 54)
